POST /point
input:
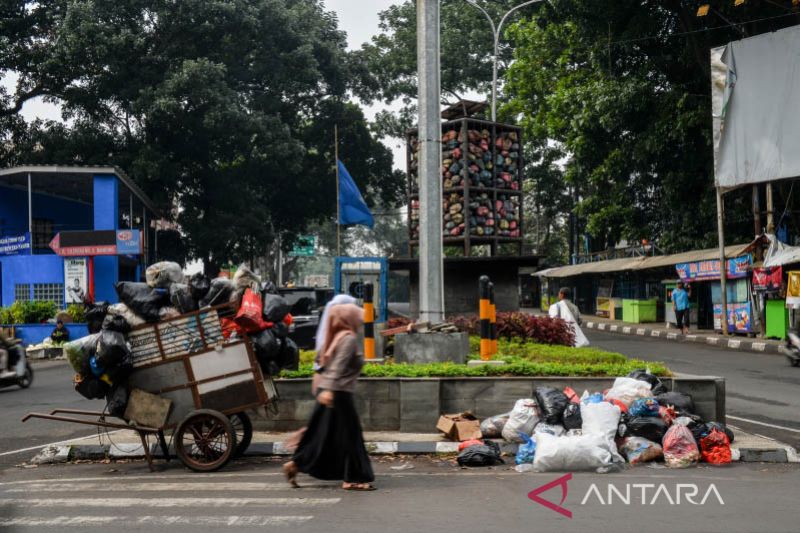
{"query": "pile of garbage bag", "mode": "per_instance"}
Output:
(102, 360)
(635, 421)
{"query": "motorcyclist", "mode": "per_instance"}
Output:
(8, 354)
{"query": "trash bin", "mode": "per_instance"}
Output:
(639, 311)
(777, 319)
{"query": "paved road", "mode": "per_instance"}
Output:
(760, 387)
(433, 495)
(52, 387)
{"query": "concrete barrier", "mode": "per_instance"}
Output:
(414, 404)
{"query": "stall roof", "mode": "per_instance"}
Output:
(53, 178)
(644, 263)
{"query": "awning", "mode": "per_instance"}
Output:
(645, 263)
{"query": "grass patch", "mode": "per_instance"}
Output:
(523, 359)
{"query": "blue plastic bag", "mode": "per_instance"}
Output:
(596, 397)
(644, 407)
(526, 450)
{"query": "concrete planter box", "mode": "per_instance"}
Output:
(36, 333)
(414, 404)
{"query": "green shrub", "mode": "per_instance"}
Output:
(522, 358)
(77, 312)
(6, 316)
(32, 312)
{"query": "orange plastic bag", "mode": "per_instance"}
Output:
(715, 448)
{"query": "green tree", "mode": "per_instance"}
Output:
(621, 92)
(224, 108)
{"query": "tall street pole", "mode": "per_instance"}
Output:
(431, 275)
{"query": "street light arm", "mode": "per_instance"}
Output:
(488, 17)
(512, 10)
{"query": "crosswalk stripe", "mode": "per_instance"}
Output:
(210, 521)
(158, 487)
(167, 502)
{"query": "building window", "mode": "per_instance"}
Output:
(22, 293)
(43, 233)
(49, 292)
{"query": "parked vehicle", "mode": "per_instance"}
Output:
(305, 312)
(792, 348)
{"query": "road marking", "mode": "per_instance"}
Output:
(219, 521)
(784, 428)
(167, 502)
(70, 441)
(154, 487)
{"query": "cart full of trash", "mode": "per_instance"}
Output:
(188, 355)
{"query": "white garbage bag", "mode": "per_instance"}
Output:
(626, 390)
(600, 419)
(125, 312)
(570, 454)
(553, 429)
(163, 274)
(523, 419)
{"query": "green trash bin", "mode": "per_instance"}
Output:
(639, 311)
(777, 319)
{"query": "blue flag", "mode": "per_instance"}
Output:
(352, 209)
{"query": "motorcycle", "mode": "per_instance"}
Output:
(792, 348)
(20, 373)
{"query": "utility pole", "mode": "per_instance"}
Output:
(770, 210)
(723, 263)
(431, 268)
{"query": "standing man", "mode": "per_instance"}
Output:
(680, 304)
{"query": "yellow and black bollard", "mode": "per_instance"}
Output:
(485, 310)
(369, 322)
(492, 318)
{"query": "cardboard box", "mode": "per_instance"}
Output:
(459, 427)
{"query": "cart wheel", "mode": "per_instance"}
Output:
(204, 440)
(243, 428)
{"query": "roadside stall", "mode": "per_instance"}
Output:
(702, 278)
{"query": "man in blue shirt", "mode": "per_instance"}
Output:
(680, 303)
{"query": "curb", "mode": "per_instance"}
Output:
(781, 453)
(740, 344)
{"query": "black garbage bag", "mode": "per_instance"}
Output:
(94, 315)
(199, 284)
(571, 419)
(219, 293)
(656, 385)
(275, 307)
(117, 400)
(700, 430)
(552, 402)
(180, 296)
(682, 402)
(486, 454)
(280, 330)
(116, 323)
(290, 355)
(91, 387)
(142, 299)
(650, 427)
(268, 287)
(112, 350)
(268, 351)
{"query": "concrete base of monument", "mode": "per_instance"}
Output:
(491, 362)
(433, 347)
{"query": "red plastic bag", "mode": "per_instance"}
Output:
(249, 316)
(680, 449)
(229, 327)
(572, 395)
(622, 407)
(715, 448)
(468, 443)
(667, 414)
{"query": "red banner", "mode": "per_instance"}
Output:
(767, 279)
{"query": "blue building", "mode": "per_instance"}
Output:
(37, 202)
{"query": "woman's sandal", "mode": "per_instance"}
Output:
(363, 487)
(291, 474)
